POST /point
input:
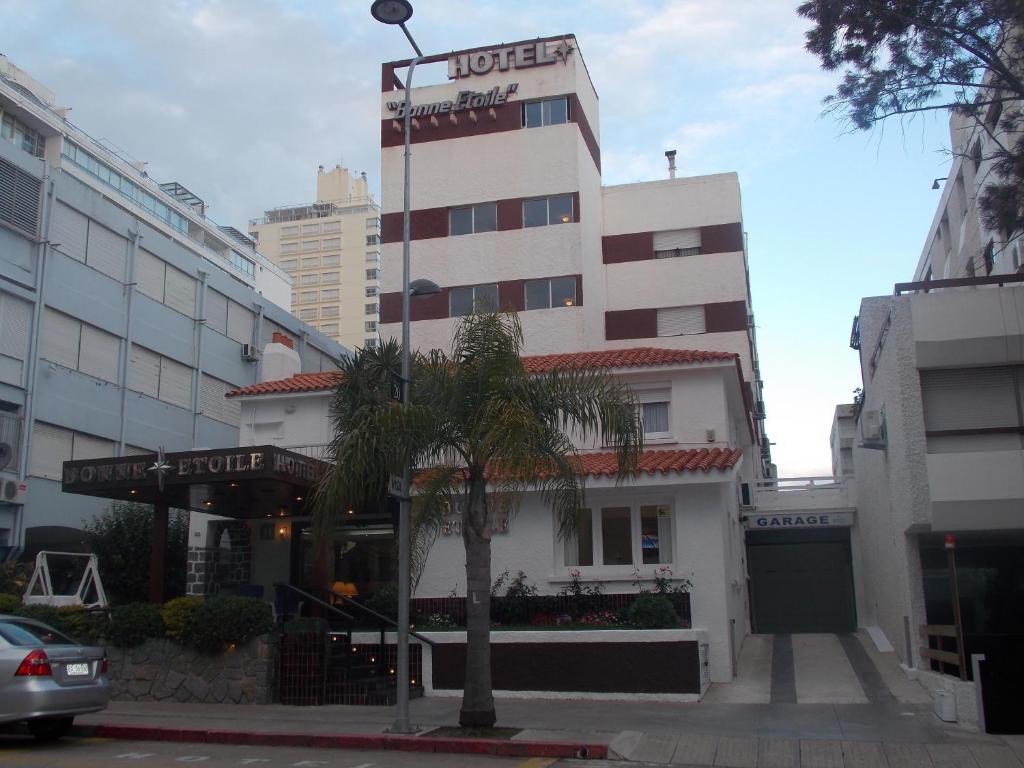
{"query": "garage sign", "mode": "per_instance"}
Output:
(802, 520)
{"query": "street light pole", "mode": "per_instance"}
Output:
(398, 12)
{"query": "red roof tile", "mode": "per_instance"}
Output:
(632, 357)
(300, 382)
(663, 462)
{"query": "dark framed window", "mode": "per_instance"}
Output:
(672, 253)
(537, 114)
(469, 219)
(468, 299)
(547, 210)
(551, 292)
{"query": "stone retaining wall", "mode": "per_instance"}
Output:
(162, 670)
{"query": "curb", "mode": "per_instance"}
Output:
(371, 741)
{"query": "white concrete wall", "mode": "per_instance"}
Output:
(286, 420)
(677, 282)
(969, 326)
(680, 203)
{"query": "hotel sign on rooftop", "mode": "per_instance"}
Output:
(519, 56)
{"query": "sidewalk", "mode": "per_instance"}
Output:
(704, 734)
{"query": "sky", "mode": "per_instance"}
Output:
(241, 100)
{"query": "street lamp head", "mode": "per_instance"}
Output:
(423, 287)
(391, 11)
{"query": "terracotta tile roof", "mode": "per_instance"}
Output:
(614, 358)
(663, 462)
(622, 358)
(300, 382)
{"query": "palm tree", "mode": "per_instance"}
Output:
(483, 431)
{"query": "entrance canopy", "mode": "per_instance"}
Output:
(243, 483)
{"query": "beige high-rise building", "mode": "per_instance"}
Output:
(331, 248)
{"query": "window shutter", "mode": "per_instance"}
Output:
(100, 353)
(240, 322)
(215, 405)
(180, 292)
(144, 371)
(968, 398)
(69, 231)
(19, 198)
(681, 321)
(149, 274)
(175, 383)
(51, 447)
(676, 238)
(15, 319)
(216, 311)
(107, 252)
(59, 341)
(89, 447)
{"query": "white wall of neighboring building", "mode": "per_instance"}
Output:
(693, 201)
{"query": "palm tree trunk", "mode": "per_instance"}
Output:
(477, 698)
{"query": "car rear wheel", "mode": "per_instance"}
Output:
(50, 729)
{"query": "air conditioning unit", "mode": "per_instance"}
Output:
(250, 353)
(872, 429)
(13, 492)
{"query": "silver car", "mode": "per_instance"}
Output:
(46, 678)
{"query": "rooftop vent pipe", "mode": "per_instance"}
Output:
(671, 155)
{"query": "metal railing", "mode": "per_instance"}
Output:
(787, 484)
(319, 452)
(958, 282)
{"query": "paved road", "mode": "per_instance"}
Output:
(19, 751)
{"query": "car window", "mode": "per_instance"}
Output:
(24, 633)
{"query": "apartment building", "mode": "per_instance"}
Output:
(938, 445)
(331, 250)
(126, 314)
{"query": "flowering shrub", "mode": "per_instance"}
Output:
(599, 619)
(438, 620)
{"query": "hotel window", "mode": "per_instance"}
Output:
(373, 223)
(654, 412)
(676, 242)
(332, 226)
(19, 134)
(547, 210)
(289, 264)
(373, 274)
(310, 229)
(289, 231)
(330, 277)
(310, 262)
(371, 309)
(307, 296)
(332, 261)
(307, 314)
(553, 292)
(681, 321)
(626, 536)
(372, 256)
(329, 311)
(331, 243)
(370, 344)
(546, 112)
(312, 279)
(289, 248)
(329, 294)
(370, 326)
(372, 290)
(310, 246)
(473, 218)
(472, 298)
(329, 328)
(373, 239)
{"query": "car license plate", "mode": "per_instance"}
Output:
(77, 670)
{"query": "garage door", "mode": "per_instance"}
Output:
(801, 581)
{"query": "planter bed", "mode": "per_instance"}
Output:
(558, 662)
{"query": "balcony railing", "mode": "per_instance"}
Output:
(958, 282)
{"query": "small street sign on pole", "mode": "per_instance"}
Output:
(395, 486)
(395, 387)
